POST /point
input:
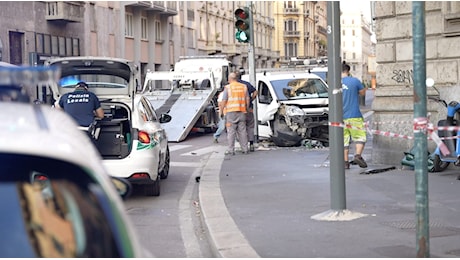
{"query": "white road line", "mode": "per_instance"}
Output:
(201, 151)
(186, 209)
(185, 164)
(176, 147)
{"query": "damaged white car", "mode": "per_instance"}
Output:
(292, 106)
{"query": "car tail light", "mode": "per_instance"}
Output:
(143, 137)
(140, 176)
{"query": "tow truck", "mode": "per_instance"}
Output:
(189, 97)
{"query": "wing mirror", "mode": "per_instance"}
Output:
(123, 187)
(165, 118)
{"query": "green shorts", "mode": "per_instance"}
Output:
(353, 134)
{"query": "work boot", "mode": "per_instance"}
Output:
(360, 161)
(215, 140)
(229, 152)
(251, 148)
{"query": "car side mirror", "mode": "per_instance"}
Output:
(122, 186)
(165, 118)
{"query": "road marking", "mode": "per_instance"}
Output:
(202, 151)
(186, 210)
(186, 164)
(176, 147)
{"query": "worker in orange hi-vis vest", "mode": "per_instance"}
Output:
(235, 100)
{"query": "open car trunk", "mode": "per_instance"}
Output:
(115, 135)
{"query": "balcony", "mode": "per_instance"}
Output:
(291, 10)
(322, 30)
(168, 8)
(69, 12)
(291, 33)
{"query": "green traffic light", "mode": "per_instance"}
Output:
(242, 24)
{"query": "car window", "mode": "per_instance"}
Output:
(146, 108)
(300, 88)
(265, 97)
(94, 81)
(52, 208)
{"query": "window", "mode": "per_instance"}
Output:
(343, 32)
(353, 32)
(290, 25)
(129, 25)
(39, 43)
(344, 55)
(76, 47)
(47, 44)
(68, 46)
(191, 38)
(157, 31)
(54, 45)
(62, 51)
(144, 29)
(290, 4)
(354, 55)
(290, 49)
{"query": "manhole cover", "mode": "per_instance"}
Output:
(436, 229)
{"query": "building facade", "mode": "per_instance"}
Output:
(394, 95)
(300, 30)
(356, 43)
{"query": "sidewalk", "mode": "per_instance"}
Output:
(264, 204)
(254, 207)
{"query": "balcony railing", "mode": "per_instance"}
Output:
(291, 10)
(168, 8)
(291, 33)
(64, 11)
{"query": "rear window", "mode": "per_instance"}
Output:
(51, 208)
(295, 88)
(94, 81)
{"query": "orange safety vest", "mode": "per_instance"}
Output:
(237, 96)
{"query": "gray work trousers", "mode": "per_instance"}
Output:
(236, 127)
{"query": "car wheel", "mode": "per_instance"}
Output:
(438, 165)
(165, 172)
(283, 136)
(153, 189)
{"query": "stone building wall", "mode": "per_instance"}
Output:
(394, 96)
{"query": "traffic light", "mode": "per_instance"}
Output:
(242, 24)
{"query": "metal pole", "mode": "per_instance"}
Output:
(252, 67)
(420, 136)
(334, 79)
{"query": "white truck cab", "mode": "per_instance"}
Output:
(291, 106)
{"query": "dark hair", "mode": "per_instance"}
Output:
(81, 84)
(345, 67)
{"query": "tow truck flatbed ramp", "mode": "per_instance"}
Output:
(184, 101)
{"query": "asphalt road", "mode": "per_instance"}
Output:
(169, 226)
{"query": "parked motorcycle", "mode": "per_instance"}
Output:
(451, 140)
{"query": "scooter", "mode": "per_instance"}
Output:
(451, 140)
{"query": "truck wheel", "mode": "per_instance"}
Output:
(153, 189)
(165, 172)
(283, 136)
(438, 165)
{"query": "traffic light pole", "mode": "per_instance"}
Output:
(252, 67)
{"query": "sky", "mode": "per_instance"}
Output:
(363, 6)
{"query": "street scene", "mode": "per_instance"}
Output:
(237, 129)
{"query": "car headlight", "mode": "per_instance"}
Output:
(294, 111)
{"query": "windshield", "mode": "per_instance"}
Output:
(94, 81)
(288, 89)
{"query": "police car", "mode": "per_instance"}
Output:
(130, 138)
(57, 199)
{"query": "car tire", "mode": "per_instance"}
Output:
(153, 189)
(438, 164)
(165, 171)
(283, 136)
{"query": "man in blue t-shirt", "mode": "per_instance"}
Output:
(352, 88)
(82, 105)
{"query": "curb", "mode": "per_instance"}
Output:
(224, 236)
